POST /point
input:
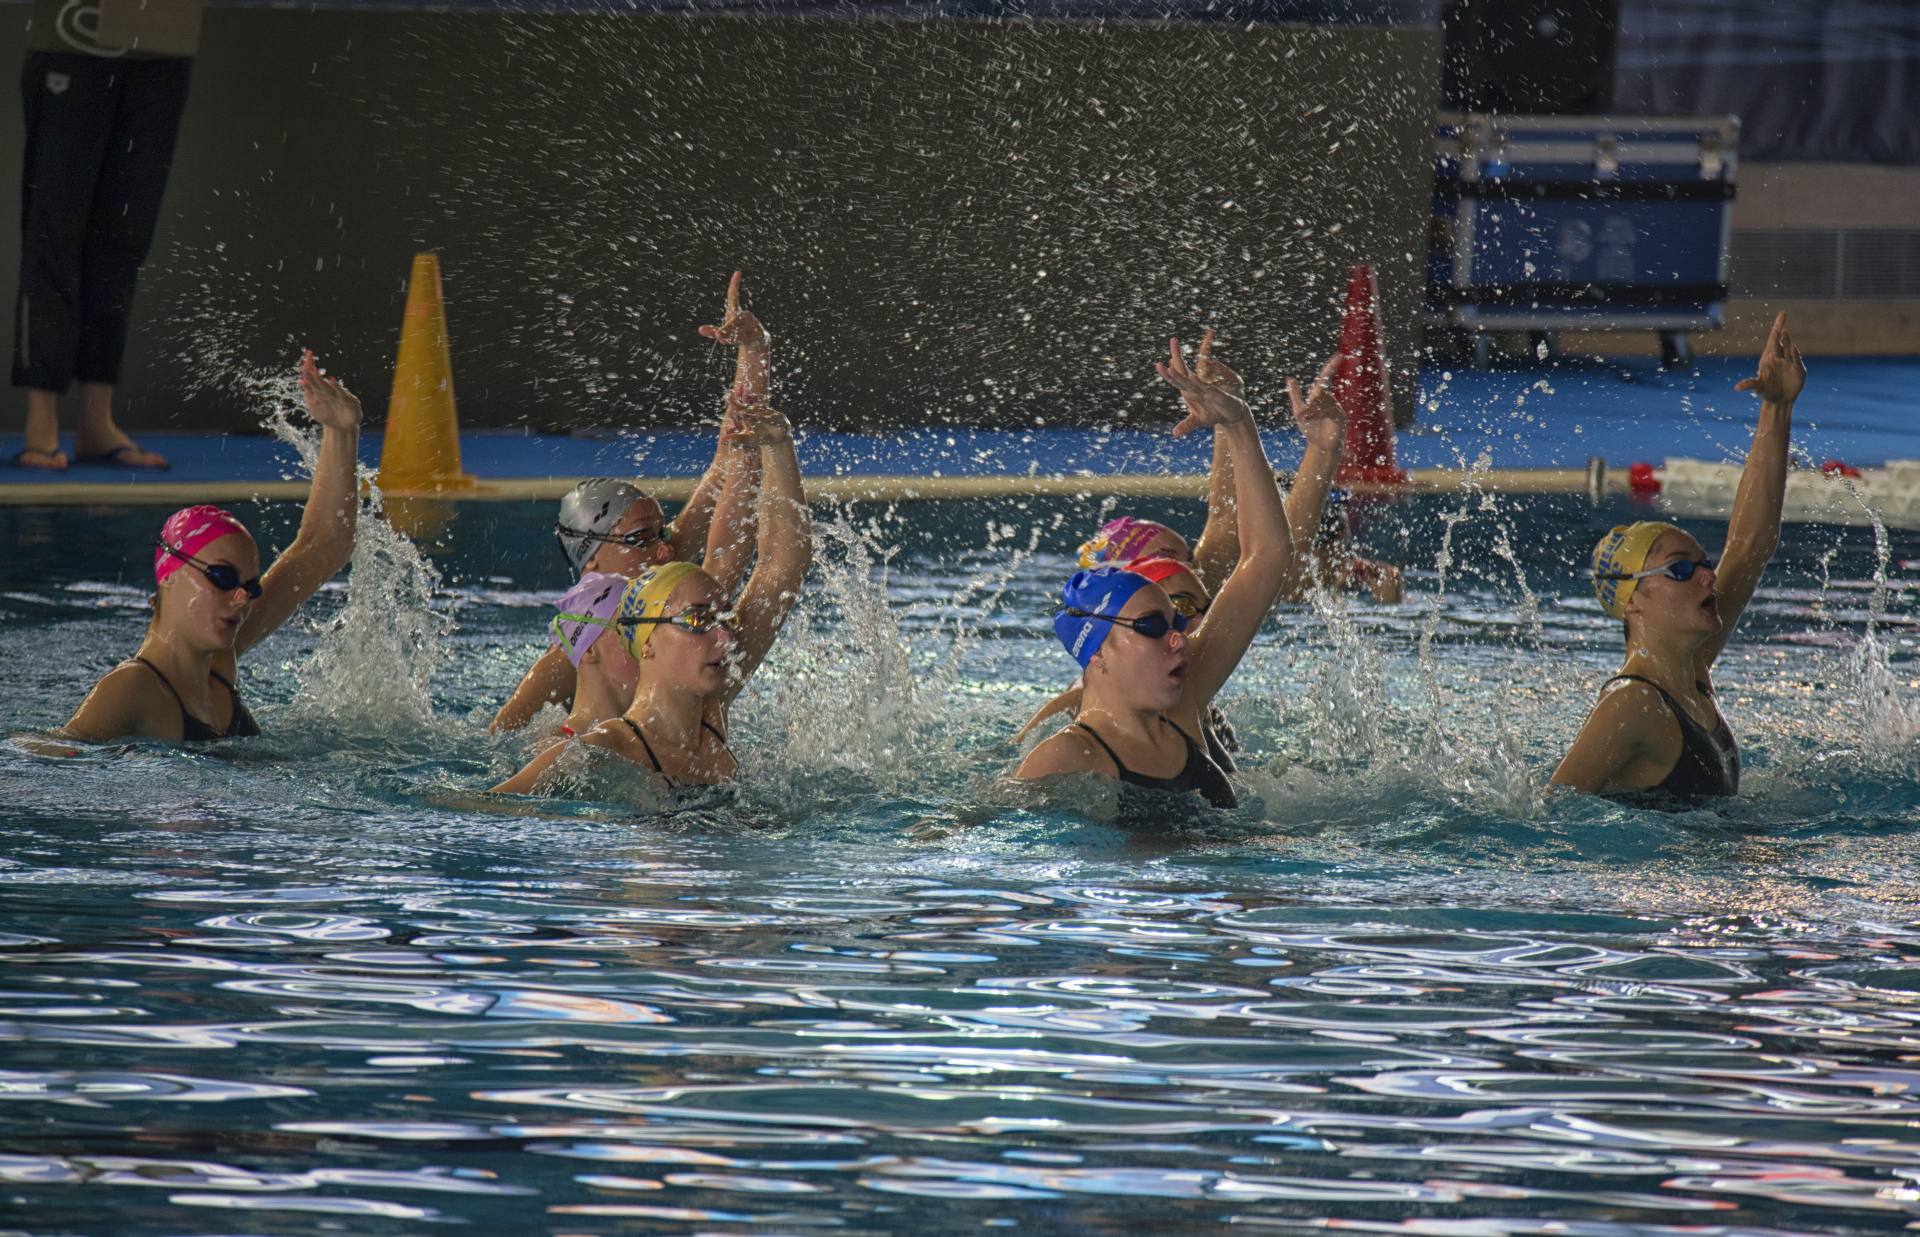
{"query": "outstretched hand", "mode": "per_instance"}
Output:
(1781, 373)
(1319, 415)
(1213, 372)
(1207, 404)
(328, 400)
(739, 327)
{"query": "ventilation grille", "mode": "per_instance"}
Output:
(1827, 263)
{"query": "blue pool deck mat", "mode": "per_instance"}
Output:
(1864, 411)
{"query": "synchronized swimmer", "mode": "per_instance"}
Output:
(658, 636)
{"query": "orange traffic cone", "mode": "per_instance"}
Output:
(421, 449)
(1360, 384)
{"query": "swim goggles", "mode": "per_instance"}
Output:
(1153, 626)
(223, 576)
(695, 622)
(1185, 605)
(1680, 569)
(633, 539)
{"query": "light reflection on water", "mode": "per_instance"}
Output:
(305, 981)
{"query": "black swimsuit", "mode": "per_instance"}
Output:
(192, 729)
(657, 767)
(1709, 763)
(1200, 774)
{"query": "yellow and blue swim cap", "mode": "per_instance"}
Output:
(1621, 552)
(646, 598)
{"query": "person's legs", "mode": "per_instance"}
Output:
(126, 207)
(40, 445)
(67, 101)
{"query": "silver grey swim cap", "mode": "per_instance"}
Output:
(590, 510)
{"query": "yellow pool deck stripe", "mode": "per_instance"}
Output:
(875, 487)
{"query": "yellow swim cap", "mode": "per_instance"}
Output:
(646, 598)
(1623, 551)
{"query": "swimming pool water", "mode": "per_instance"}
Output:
(317, 983)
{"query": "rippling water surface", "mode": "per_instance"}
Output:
(317, 982)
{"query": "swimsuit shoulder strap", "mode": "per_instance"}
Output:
(642, 736)
(1184, 736)
(223, 681)
(713, 730)
(1095, 736)
(1680, 714)
(165, 682)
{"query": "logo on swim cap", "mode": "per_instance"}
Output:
(1100, 593)
(589, 511)
(1119, 541)
(586, 611)
(189, 531)
(1622, 552)
(646, 599)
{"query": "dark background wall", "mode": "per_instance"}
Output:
(977, 222)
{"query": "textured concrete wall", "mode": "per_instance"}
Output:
(975, 222)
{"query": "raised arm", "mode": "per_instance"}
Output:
(1219, 546)
(693, 527)
(550, 680)
(736, 516)
(1323, 423)
(785, 546)
(1753, 530)
(325, 540)
(1067, 701)
(1266, 548)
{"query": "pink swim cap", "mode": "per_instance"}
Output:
(1119, 541)
(191, 530)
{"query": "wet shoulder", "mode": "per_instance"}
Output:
(1068, 751)
(130, 700)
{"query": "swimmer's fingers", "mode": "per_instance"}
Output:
(1177, 362)
(1781, 372)
(1205, 350)
(1324, 379)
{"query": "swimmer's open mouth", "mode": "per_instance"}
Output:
(1179, 673)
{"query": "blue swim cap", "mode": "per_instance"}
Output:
(1102, 591)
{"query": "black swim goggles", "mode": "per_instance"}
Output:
(1153, 626)
(633, 539)
(1680, 569)
(223, 576)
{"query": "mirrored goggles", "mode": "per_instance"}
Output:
(695, 622)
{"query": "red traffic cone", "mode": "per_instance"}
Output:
(1360, 384)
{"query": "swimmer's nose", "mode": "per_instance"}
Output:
(1177, 641)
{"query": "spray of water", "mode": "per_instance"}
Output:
(371, 673)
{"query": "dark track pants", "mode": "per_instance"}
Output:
(100, 137)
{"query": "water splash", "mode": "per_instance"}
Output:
(372, 671)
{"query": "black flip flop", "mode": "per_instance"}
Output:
(116, 458)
